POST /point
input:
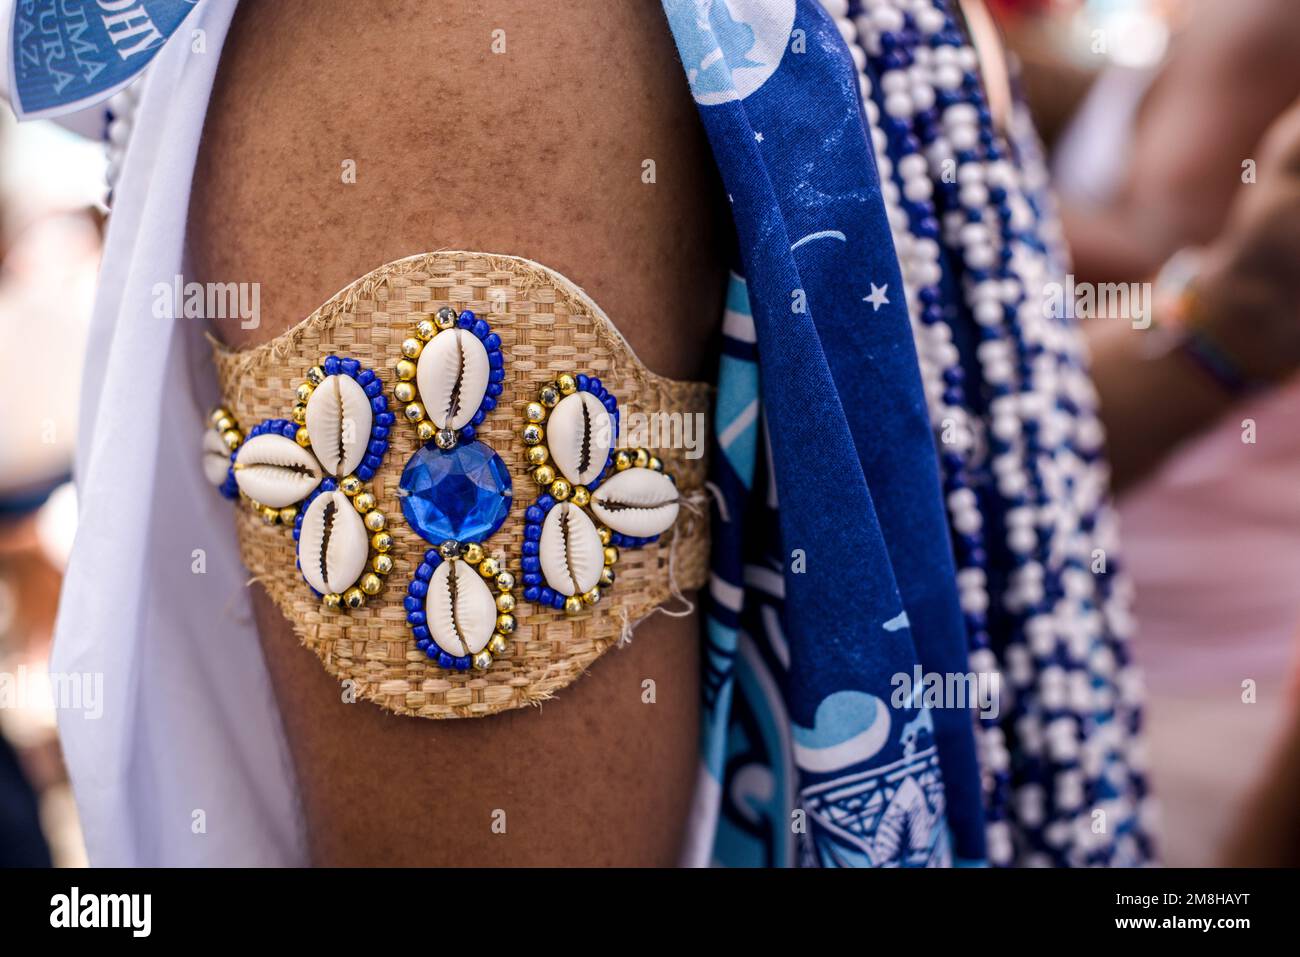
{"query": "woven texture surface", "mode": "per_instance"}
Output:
(547, 327)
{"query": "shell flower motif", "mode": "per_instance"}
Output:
(594, 500)
(311, 472)
(448, 380)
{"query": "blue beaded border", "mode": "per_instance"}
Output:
(383, 422)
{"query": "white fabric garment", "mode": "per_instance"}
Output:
(188, 763)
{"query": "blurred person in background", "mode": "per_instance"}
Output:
(49, 252)
(1172, 161)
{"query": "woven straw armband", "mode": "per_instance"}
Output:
(548, 327)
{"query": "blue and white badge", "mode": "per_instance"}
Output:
(66, 55)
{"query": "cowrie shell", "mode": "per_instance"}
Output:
(639, 502)
(460, 609)
(332, 543)
(276, 471)
(216, 458)
(338, 421)
(571, 552)
(452, 375)
(579, 434)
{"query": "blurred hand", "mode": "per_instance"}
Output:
(1249, 291)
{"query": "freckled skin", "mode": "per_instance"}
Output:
(536, 152)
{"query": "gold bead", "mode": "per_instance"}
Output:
(604, 533)
(489, 567)
(450, 549)
(425, 430)
(473, 553)
(414, 412)
(641, 459)
(299, 413)
(622, 460)
(302, 438)
(498, 645)
(424, 329)
(572, 605)
(445, 317)
(381, 542)
(363, 502)
(505, 581)
(404, 392)
(580, 495)
(383, 564)
(591, 597)
(549, 394)
(505, 602)
(656, 464)
(567, 383)
(375, 521)
(315, 375)
(270, 515)
(537, 455)
(534, 412)
(533, 434)
(225, 423)
(544, 474)
(219, 413)
(611, 555)
(446, 439)
(232, 438)
(305, 390)
(288, 514)
(354, 598)
(606, 576)
(371, 583)
(350, 486)
(332, 600)
(560, 489)
(483, 660)
(411, 348)
(505, 624)
(405, 369)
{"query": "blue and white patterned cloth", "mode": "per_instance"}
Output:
(817, 604)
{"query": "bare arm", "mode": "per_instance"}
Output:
(536, 152)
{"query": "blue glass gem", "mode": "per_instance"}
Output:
(463, 494)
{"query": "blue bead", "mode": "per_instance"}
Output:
(350, 366)
(532, 578)
(365, 473)
(385, 419)
(423, 644)
(557, 601)
(463, 494)
(495, 361)
(481, 329)
(462, 664)
(530, 548)
(467, 434)
(328, 485)
(531, 593)
(492, 343)
(374, 388)
(432, 557)
(418, 588)
(331, 365)
(377, 448)
(411, 603)
(288, 430)
(609, 403)
(468, 316)
(420, 632)
(546, 596)
(495, 389)
(478, 418)
(594, 384)
(415, 618)
(444, 659)
(545, 502)
(584, 382)
(533, 515)
(530, 564)
(424, 572)
(379, 404)
(489, 403)
(373, 461)
(497, 375)
(379, 432)
(532, 533)
(366, 377)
